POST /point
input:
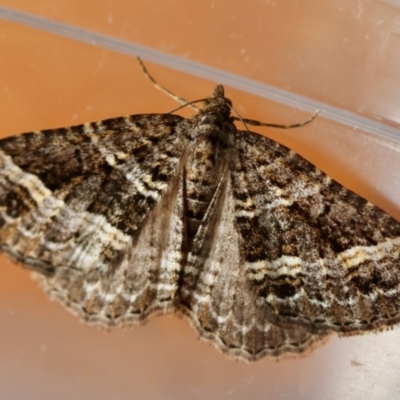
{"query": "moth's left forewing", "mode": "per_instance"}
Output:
(77, 203)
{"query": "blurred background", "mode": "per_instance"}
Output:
(336, 53)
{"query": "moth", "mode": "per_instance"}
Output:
(156, 213)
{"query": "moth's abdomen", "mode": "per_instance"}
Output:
(201, 177)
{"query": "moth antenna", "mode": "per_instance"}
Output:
(239, 117)
(164, 90)
(188, 104)
(279, 126)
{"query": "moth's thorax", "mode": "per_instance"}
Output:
(214, 120)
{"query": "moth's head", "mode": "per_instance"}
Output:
(218, 99)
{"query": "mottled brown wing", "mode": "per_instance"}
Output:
(78, 206)
(215, 292)
(316, 253)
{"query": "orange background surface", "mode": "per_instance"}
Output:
(344, 53)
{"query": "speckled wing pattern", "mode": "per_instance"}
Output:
(155, 213)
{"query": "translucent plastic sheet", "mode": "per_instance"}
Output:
(342, 57)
